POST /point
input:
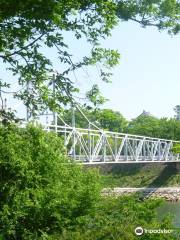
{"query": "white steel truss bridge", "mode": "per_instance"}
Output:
(93, 145)
(96, 146)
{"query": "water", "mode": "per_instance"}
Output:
(171, 208)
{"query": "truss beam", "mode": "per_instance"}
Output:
(97, 146)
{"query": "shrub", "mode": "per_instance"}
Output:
(117, 218)
(176, 148)
(41, 191)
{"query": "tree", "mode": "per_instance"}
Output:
(168, 128)
(106, 119)
(80, 121)
(153, 127)
(161, 14)
(26, 27)
(41, 190)
(144, 125)
(117, 218)
(111, 120)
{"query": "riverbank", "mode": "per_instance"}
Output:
(168, 193)
(137, 175)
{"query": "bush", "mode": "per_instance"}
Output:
(41, 192)
(176, 148)
(117, 218)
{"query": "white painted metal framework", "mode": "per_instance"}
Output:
(94, 145)
(98, 146)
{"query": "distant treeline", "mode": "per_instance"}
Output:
(108, 119)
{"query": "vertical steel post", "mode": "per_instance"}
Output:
(54, 113)
(115, 146)
(104, 147)
(47, 120)
(126, 149)
(65, 135)
(144, 150)
(73, 121)
(89, 140)
(93, 143)
(159, 151)
(73, 125)
(27, 108)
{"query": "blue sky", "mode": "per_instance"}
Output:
(148, 76)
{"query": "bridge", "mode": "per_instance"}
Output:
(92, 146)
(95, 146)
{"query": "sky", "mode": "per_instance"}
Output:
(147, 77)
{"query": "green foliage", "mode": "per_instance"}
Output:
(153, 127)
(26, 27)
(144, 125)
(8, 117)
(176, 148)
(29, 26)
(106, 119)
(41, 191)
(117, 218)
(45, 196)
(139, 175)
(111, 120)
(95, 96)
(169, 128)
(163, 14)
(80, 121)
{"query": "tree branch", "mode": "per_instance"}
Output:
(145, 23)
(23, 48)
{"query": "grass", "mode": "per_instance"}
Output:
(140, 175)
